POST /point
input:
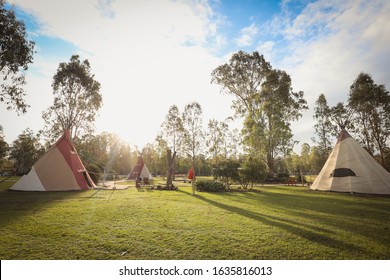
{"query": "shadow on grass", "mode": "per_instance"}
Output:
(338, 204)
(15, 204)
(364, 215)
(309, 232)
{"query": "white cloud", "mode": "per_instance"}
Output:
(147, 55)
(247, 35)
(267, 50)
(352, 37)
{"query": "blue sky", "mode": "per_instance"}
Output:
(149, 55)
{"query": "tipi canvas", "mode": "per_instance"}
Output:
(350, 168)
(140, 170)
(60, 169)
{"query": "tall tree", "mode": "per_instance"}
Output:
(216, 139)
(172, 127)
(77, 99)
(371, 105)
(193, 135)
(172, 130)
(324, 128)
(16, 52)
(264, 96)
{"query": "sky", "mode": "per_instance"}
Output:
(151, 54)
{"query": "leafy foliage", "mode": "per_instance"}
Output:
(210, 186)
(16, 52)
(25, 151)
(4, 147)
(264, 96)
(324, 127)
(371, 106)
(193, 133)
(172, 128)
(106, 151)
(77, 99)
(252, 171)
(227, 171)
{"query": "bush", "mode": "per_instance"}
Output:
(252, 171)
(210, 186)
(283, 177)
(227, 171)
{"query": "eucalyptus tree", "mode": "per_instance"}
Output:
(193, 134)
(265, 98)
(371, 105)
(216, 139)
(172, 128)
(16, 52)
(172, 132)
(77, 99)
(323, 127)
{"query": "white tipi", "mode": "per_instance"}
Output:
(350, 168)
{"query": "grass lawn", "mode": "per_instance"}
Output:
(275, 222)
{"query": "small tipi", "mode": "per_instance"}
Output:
(140, 170)
(350, 168)
(60, 169)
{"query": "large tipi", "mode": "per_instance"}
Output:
(140, 170)
(350, 168)
(60, 169)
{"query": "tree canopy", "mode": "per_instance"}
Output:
(77, 99)
(265, 98)
(16, 52)
(371, 106)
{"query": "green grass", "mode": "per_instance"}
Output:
(275, 222)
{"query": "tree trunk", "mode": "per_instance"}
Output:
(194, 177)
(170, 162)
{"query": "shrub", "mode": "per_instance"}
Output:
(283, 177)
(252, 171)
(210, 186)
(227, 171)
